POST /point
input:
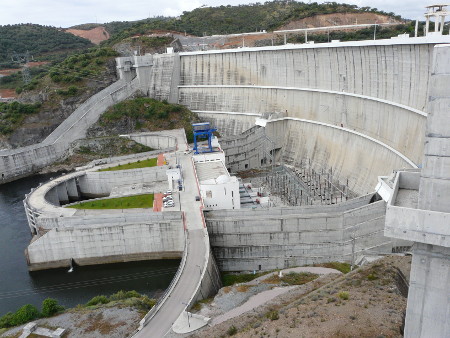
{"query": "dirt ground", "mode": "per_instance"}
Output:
(95, 35)
(364, 303)
(113, 322)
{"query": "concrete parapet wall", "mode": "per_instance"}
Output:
(272, 239)
(210, 280)
(100, 244)
(111, 218)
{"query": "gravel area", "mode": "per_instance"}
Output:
(366, 302)
(114, 322)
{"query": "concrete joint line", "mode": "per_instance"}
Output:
(313, 90)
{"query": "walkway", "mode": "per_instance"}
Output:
(196, 249)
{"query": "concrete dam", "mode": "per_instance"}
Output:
(353, 110)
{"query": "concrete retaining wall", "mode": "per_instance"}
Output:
(100, 244)
(24, 161)
(100, 183)
(262, 240)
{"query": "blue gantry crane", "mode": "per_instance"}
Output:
(203, 130)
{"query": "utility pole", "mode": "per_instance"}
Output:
(23, 58)
(353, 251)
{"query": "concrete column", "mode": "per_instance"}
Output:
(62, 193)
(428, 309)
(52, 196)
(72, 190)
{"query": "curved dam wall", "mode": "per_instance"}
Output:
(278, 238)
(373, 92)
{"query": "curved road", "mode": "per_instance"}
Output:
(186, 286)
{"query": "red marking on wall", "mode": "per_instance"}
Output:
(157, 202)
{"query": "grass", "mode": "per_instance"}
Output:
(137, 201)
(292, 278)
(231, 279)
(151, 162)
(342, 267)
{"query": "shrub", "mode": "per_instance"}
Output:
(6, 320)
(232, 330)
(343, 295)
(273, 315)
(372, 277)
(50, 307)
(98, 300)
(25, 314)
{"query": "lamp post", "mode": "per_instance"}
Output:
(187, 314)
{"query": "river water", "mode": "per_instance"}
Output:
(19, 287)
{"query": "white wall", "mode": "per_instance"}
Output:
(221, 195)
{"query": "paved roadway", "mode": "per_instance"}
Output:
(186, 286)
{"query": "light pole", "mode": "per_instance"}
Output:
(187, 313)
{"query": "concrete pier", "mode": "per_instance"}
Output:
(419, 210)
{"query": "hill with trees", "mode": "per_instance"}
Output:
(43, 42)
(229, 19)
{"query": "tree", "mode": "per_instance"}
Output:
(50, 307)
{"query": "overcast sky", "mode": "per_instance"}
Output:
(66, 13)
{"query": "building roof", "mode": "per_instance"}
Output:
(210, 170)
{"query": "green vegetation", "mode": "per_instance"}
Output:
(12, 115)
(128, 202)
(98, 300)
(128, 298)
(50, 307)
(232, 330)
(273, 315)
(39, 41)
(229, 19)
(231, 279)
(149, 114)
(151, 162)
(29, 312)
(298, 278)
(343, 295)
(77, 67)
(342, 267)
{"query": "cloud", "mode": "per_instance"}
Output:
(65, 13)
(180, 7)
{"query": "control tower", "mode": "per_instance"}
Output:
(438, 12)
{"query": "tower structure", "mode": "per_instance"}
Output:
(438, 12)
(419, 211)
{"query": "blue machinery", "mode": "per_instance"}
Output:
(203, 130)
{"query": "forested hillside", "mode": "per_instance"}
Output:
(41, 41)
(236, 19)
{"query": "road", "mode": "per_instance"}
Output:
(196, 248)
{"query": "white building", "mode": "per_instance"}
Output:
(218, 189)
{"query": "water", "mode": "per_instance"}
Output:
(19, 287)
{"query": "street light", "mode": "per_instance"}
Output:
(187, 313)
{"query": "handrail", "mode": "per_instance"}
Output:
(154, 310)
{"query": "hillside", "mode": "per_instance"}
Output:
(95, 35)
(42, 42)
(243, 18)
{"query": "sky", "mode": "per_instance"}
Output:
(66, 13)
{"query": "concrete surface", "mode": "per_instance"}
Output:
(426, 221)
